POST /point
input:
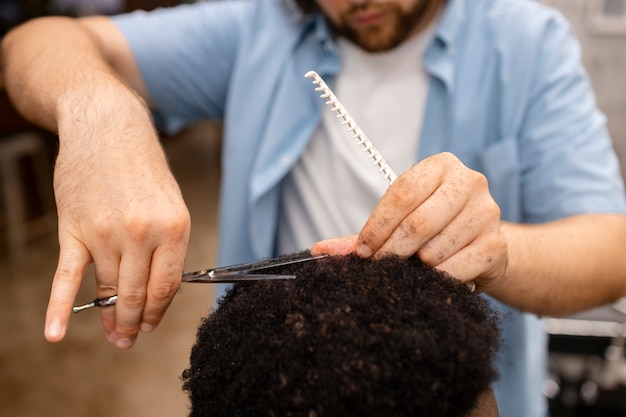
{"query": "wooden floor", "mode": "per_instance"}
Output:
(84, 375)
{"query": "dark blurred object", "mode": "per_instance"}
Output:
(27, 206)
(79, 8)
(150, 4)
(10, 120)
(27, 200)
(106, 7)
(11, 14)
(587, 368)
(14, 12)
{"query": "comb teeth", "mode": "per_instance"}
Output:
(362, 139)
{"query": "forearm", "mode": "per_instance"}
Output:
(566, 266)
(60, 75)
(53, 66)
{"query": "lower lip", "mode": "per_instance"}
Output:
(370, 19)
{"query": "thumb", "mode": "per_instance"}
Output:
(337, 246)
(74, 259)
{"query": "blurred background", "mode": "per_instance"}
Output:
(85, 375)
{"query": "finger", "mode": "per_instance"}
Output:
(164, 249)
(336, 246)
(74, 259)
(474, 220)
(482, 261)
(431, 219)
(131, 291)
(107, 273)
(407, 193)
(107, 318)
(165, 278)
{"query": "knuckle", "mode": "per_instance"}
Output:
(490, 252)
(448, 157)
(140, 226)
(135, 298)
(480, 179)
(430, 256)
(396, 194)
(137, 226)
(367, 238)
(475, 178)
(126, 330)
(178, 225)
(447, 160)
(493, 210)
(103, 227)
(498, 245)
(66, 273)
(489, 210)
(164, 291)
(417, 226)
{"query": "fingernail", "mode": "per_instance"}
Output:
(363, 251)
(54, 330)
(124, 343)
(146, 328)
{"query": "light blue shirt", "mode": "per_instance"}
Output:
(507, 95)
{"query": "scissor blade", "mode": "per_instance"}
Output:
(237, 277)
(229, 273)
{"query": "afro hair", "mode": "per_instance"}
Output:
(349, 336)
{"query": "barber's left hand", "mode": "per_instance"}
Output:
(443, 212)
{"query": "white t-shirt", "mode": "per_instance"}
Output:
(334, 187)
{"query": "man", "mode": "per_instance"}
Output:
(517, 187)
(384, 337)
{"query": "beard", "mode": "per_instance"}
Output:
(397, 25)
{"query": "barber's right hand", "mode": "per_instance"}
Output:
(120, 208)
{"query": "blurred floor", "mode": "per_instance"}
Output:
(85, 375)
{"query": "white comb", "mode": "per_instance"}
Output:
(362, 139)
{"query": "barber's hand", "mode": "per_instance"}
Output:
(120, 208)
(443, 212)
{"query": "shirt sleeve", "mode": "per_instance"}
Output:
(568, 162)
(185, 55)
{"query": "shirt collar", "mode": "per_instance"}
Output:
(439, 55)
(450, 24)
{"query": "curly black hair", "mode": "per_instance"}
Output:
(349, 336)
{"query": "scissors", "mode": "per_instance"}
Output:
(252, 271)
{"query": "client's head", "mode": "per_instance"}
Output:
(347, 337)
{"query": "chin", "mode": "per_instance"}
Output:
(378, 38)
(377, 41)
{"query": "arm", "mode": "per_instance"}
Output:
(453, 224)
(60, 56)
(564, 266)
(118, 204)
